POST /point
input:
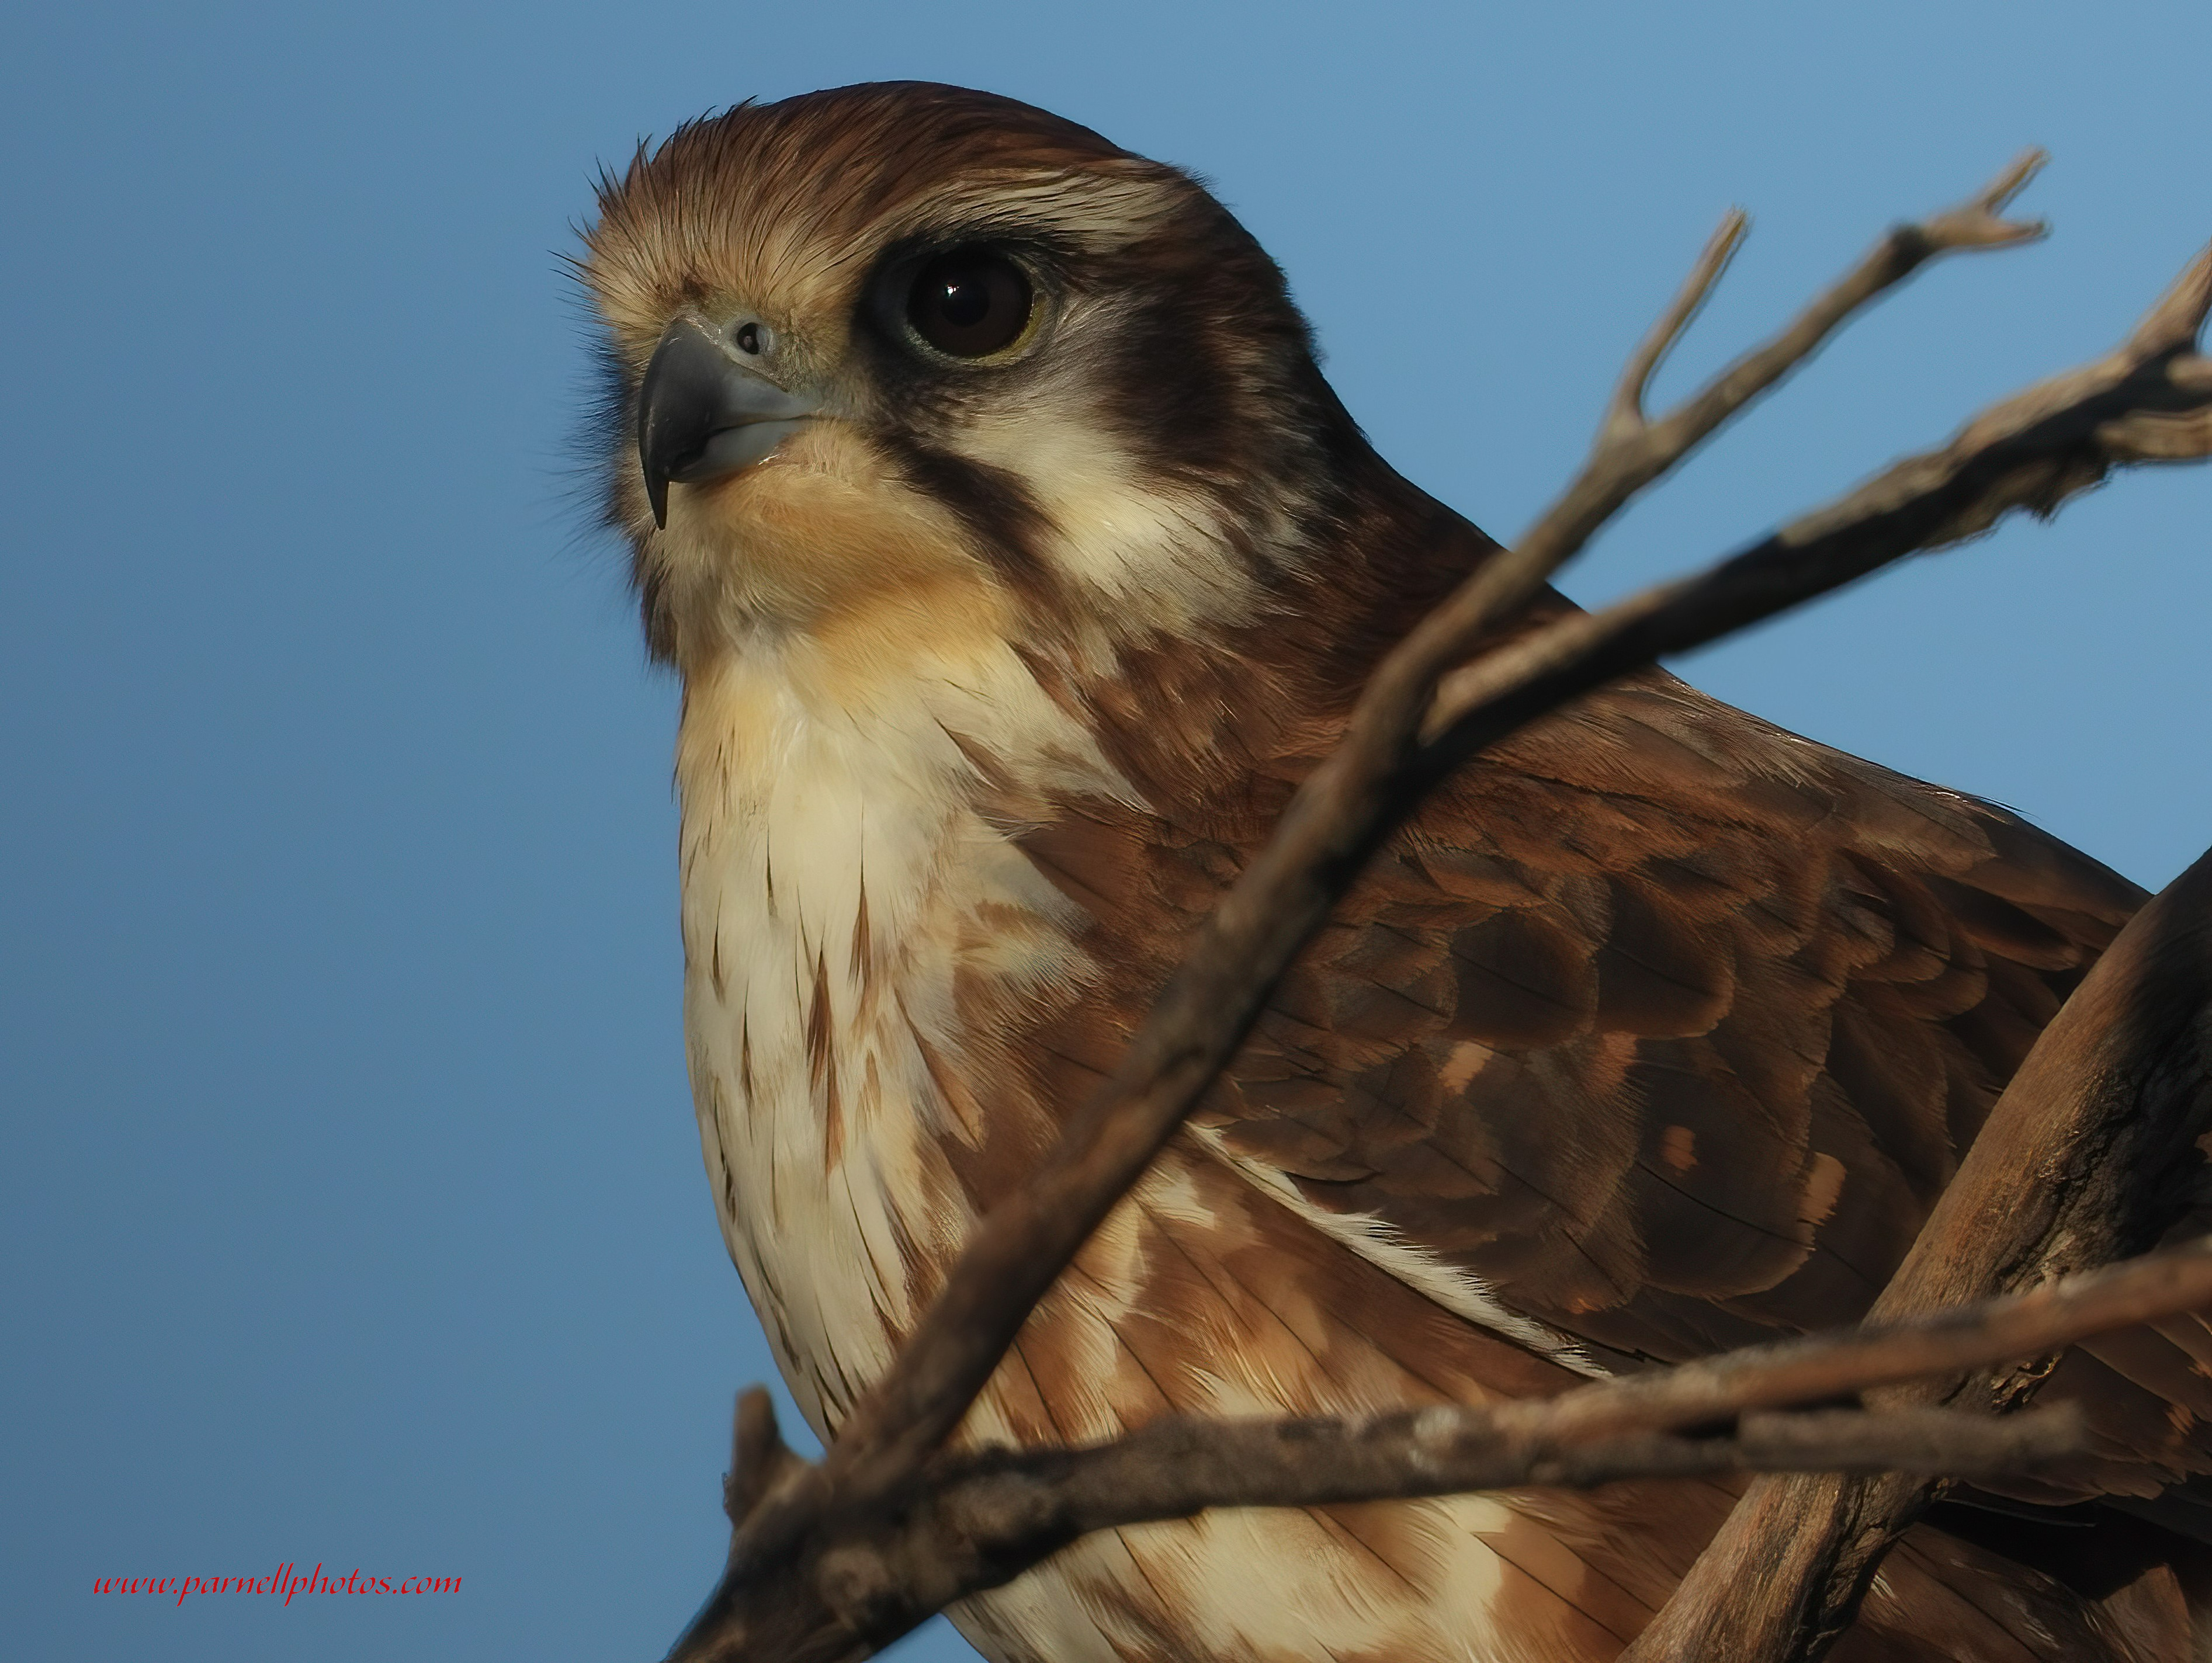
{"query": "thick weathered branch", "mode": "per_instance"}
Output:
(974, 1521)
(985, 1524)
(2090, 1156)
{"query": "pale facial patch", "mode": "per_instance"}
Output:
(1147, 557)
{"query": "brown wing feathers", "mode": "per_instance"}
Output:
(1669, 1027)
(1665, 1025)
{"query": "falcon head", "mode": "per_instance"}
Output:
(910, 354)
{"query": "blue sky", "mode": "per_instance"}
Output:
(352, 1210)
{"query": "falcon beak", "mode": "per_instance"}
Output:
(701, 413)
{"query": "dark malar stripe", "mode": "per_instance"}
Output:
(993, 504)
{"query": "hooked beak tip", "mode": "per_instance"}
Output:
(702, 416)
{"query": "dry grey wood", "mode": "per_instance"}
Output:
(973, 1521)
(985, 1524)
(1423, 712)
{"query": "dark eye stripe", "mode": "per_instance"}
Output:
(970, 303)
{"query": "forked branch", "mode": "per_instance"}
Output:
(2150, 400)
(1625, 417)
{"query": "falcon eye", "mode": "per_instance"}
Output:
(751, 339)
(970, 303)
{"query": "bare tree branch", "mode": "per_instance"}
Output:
(760, 1461)
(2149, 401)
(985, 1524)
(973, 1521)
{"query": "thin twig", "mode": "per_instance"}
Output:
(1625, 416)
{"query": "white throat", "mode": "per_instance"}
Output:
(841, 889)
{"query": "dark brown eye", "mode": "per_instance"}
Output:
(970, 303)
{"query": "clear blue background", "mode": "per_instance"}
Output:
(352, 1208)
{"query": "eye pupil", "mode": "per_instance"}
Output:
(970, 303)
(966, 301)
(748, 338)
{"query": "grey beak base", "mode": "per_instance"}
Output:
(701, 413)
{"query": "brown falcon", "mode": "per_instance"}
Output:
(1018, 562)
